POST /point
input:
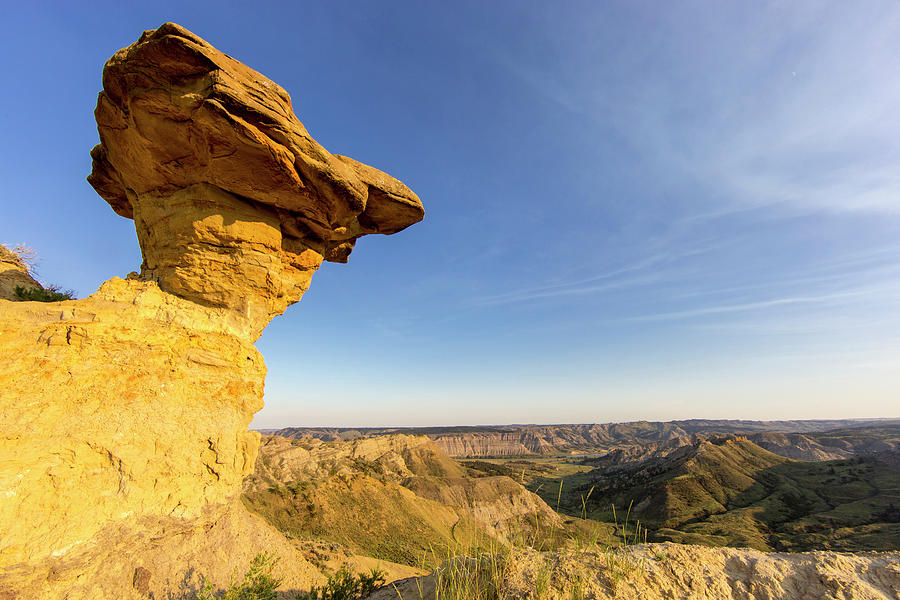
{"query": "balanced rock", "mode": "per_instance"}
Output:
(124, 415)
(235, 205)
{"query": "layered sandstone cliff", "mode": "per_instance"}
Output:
(806, 440)
(516, 440)
(123, 416)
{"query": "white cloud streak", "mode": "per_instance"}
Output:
(818, 134)
(747, 306)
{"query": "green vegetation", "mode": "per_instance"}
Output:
(463, 578)
(51, 293)
(522, 570)
(730, 492)
(844, 505)
(370, 517)
(718, 491)
(526, 470)
(344, 585)
(258, 583)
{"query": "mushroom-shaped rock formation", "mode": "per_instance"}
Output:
(235, 205)
(124, 415)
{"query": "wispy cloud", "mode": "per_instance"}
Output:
(788, 105)
(747, 306)
(856, 269)
(823, 139)
(568, 289)
(643, 271)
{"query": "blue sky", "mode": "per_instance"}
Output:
(635, 210)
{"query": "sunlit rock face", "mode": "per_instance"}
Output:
(235, 205)
(127, 409)
(131, 401)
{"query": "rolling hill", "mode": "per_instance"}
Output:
(729, 491)
(396, 498)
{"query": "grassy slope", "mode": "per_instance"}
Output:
(406, 502)
(723, 492)
(737, 494)
(337, 495)
(840, 505)
(371, 517)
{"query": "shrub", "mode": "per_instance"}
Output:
(343, 585)
(258, 583)
(26, 258)
(51, 293)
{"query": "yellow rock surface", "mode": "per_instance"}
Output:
(115, 405)
(124, 415)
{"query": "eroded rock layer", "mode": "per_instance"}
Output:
(124, 415)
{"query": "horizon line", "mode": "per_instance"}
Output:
(377, 427)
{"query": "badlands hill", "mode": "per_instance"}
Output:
(397, 498)
(517, 440)
(349, 492)
(729, 491)
(127, 465)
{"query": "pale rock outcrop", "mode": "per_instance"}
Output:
(501, 505)
(132, 401)
(124, 415)
(669, 572)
